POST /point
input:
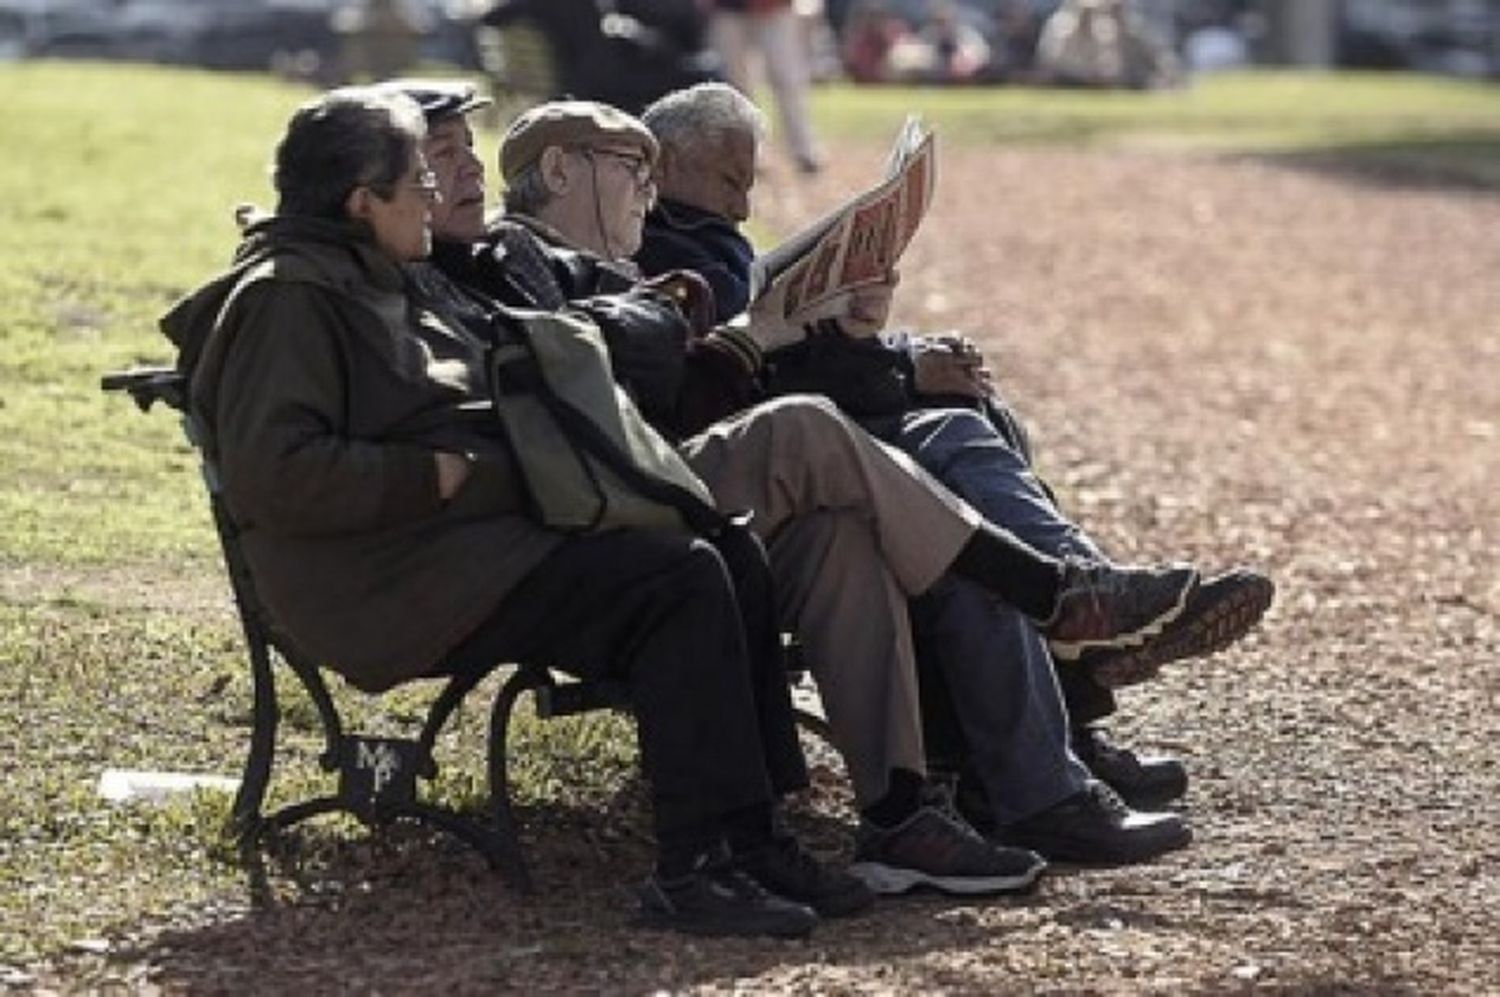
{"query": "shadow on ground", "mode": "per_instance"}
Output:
(1467, 162)
(410, 910)
(419, 914)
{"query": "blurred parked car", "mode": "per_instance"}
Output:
(35, 28)
(290, 36)
(1460, 37)
(225, 34)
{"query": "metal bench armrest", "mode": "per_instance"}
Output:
(148, 385)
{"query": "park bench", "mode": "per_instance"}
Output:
(377, 777)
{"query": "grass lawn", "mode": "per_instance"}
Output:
(115, 198)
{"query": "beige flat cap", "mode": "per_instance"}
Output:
(568, 123)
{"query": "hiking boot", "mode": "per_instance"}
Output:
(1143, 781)
(1218, 613)
(1107, 605)
(1095, 827)
(717, 899)
(934, 847)
(786, 869)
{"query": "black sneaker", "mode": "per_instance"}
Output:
(1107, 605)
(717, 899)
(934, 847)
(1220, 612)
(1143, 781)
(786, 869)
(1095, 827)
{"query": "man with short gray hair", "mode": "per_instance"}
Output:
(710, 136)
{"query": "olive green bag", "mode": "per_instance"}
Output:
(590, 461)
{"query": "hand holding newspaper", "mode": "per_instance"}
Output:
(859, 242)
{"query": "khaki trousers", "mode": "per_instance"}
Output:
(854, 529)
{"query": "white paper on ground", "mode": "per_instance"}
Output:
(120, 785)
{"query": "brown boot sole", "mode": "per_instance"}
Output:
(1221, 612)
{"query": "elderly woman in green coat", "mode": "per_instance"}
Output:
(388, 529)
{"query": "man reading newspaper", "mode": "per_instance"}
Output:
(933, 398)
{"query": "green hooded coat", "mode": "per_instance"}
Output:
(323, 391)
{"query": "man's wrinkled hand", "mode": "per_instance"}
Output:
(867, 309)
(766, 321)
(945, 372)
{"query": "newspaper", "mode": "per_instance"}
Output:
(860, 241)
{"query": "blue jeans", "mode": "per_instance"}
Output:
(1012, 729)
(1008, 706)
(985, 459)
(966, 451)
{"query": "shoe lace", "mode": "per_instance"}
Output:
(940, 799)
(1092, 581)
(1107, 800)
(1092, 744)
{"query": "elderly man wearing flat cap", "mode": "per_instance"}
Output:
(583, 170)
(853, 529)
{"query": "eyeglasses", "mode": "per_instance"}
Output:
(639, 167)
(425, 181)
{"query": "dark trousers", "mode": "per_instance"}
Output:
(690, 626)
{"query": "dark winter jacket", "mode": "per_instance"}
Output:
(325, 388)
(681, 237)
(680, 383)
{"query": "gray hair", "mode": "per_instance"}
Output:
(527, 192)
(347, 138)
(686, 117)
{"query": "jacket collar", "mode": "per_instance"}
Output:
(341, 248)
(544, 232)
(685, 217)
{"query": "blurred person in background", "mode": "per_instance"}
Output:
(957, 50)
(380, 38)
(869, 34)
(1103, 43)
(739, 29)
(625, 52)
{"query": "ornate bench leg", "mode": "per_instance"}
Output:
(512, 863)
(245, 819)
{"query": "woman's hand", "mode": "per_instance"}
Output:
(452, 471)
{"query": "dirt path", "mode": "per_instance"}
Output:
(1224, 361)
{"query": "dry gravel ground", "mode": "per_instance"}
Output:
(1231, 361)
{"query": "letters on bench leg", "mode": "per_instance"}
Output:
(377, 773)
